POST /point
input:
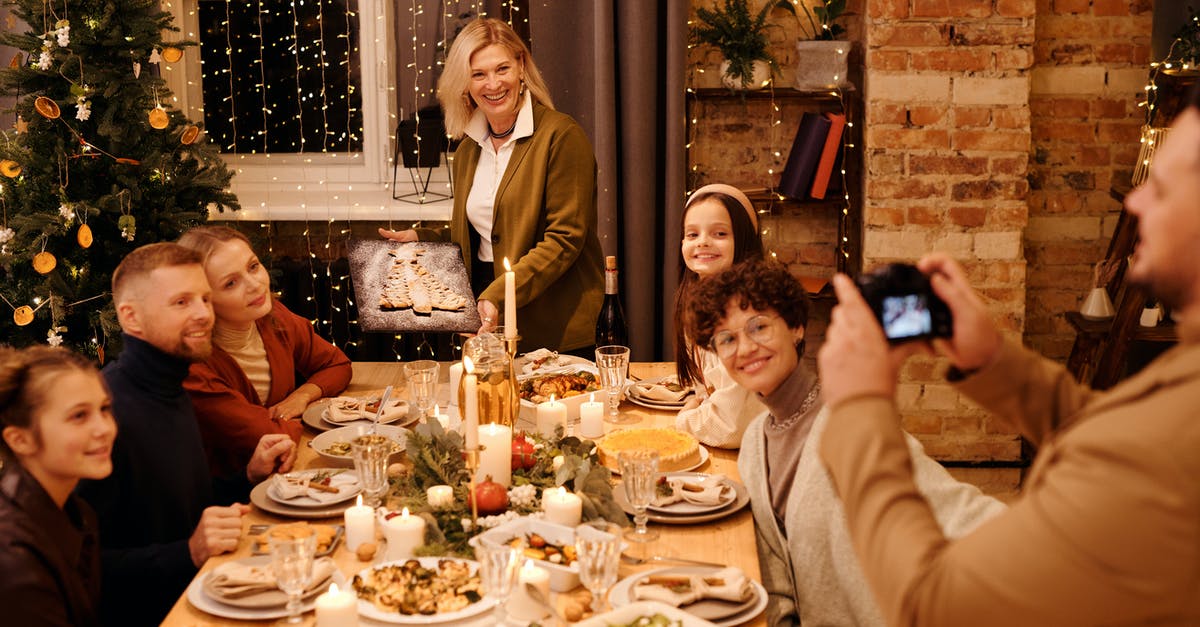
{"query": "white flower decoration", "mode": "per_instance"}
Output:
(6, 235)
(64, 34)
(44, 60)
(66, 212)
(53, 338)
(83, 109)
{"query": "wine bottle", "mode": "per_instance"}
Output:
(610, 325)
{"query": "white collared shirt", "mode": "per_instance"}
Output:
(481, 201)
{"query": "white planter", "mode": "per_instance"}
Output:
(821, 64)
(761, 77)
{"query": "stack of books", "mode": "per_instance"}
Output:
(814, 155)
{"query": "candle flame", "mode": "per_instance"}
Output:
(592, 399)
(551, 398)
(437, 410)
(507, 266)
(360, 500)
(468, 367)
(333, 589)
(562, 491)
(404, 513)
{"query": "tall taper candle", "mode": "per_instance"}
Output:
(510, 302)
(471, 398)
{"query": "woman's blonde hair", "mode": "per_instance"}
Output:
(206, 239)
(452, 90)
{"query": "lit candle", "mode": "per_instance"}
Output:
(440, 496)
(456, 371)
(591, 418)
(471, 397)
(562, 507)
(550, 414)
(337, 608)
(360, 525)
(510, 302)
(404, 533)
(496, 457)
(522, 606)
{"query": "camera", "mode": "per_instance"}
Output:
(904, 302)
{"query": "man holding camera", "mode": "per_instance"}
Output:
(1107, 530)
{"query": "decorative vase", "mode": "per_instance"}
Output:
(760, 77)
(821, 64)
(1097, 305)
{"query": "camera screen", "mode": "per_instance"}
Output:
(906, 316)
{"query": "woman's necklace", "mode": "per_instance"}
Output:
(505, 133)
(805, 406)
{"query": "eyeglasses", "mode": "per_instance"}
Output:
(759, 328)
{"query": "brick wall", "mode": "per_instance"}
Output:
(1090, 64)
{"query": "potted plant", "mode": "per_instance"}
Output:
(741, 37)
(821, 56)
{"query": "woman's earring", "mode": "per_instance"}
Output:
(522, 93)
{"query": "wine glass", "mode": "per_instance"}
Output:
(292, 562)
(639, 477)
(612, 362)
(598, 553)
(422, 378)
(498, 568)
(370, 454)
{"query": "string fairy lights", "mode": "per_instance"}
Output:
(1180, 60)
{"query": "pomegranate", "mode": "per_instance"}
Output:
(522, 453)
(491, 497)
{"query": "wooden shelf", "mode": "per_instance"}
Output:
(1163, 333)
(832, 202)
(779, 93)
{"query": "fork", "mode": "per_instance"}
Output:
(658, 559)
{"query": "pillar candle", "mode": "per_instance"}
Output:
(337, 608)
(440, 496)
(562, 507)
(404, 533)
(591, 418)
(550, 414)
(456, 371)
(360, 525)
(471, 398)
(496, 457)
(510, 302)
(522, 606)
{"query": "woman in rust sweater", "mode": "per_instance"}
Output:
(249, 386)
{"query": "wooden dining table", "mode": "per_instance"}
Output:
(729, 540)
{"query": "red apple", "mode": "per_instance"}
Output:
(522, 453)
(491, 497)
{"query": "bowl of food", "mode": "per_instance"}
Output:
(334, 445)
(550, 544)
(572, 387)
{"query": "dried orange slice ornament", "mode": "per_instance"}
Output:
(84, 235)
(16, 61)
(190, 133)
(47, 107)
(44, 262)
(171, 55)
(158, 118)
(10, 168)
(23, 315)
(128, 161)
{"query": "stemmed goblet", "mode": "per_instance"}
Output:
(292, 564)
(612, 362)
(598, 553)
(639, 477)
(498, 568)
(370, 454)
(422, 384)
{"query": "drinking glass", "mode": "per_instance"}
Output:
(370, 453)
(639, 476)
(498, 568)
(612, 362)
(292, 562)
(598, 553)
(422, 384)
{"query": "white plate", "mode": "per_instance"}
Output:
(526, 367)
(620, 594)
(627, 614)
(634, 396)
(683, 508)
(742, 500)
(201, 601)
(345, 481)
(703, 459)
(314, 416)
(346, 434)
(368, 610)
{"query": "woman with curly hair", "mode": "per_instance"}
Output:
(752, 317)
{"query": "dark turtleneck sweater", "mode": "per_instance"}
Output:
(160, 485)
(793, 407)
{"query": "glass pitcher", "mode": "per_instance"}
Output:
(497, 386)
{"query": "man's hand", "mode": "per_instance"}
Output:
(488, 314)
(856, 358)
(219, 530)
(976, 339)
(276, 452)
(407, 235)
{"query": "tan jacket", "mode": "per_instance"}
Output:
(545, 223)
(1107, 531)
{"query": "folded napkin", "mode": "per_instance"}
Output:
(728, 584)
(296, 485)
(348, 409)
(239, 580)
(539, 359)
(665, 390)
(714, 490)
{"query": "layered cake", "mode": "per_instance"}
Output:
(676, 450)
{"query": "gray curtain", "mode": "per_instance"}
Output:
(618, 68)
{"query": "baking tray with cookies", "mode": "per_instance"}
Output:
(411, 286)
(328, 536)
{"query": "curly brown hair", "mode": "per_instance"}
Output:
(757, 283)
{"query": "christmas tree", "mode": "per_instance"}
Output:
(94, 166)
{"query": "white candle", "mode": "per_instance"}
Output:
(591, 418)
(471, 397)
(404, 533)
(440, 496)
(562, 507)
(550, 414)
(522, 606)
(558, 461)
(337, 608)
(456, 371)
(496, 457)
(510, 302)
(360, 525)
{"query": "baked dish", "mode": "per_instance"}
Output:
(560, 386)
(676, 450)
